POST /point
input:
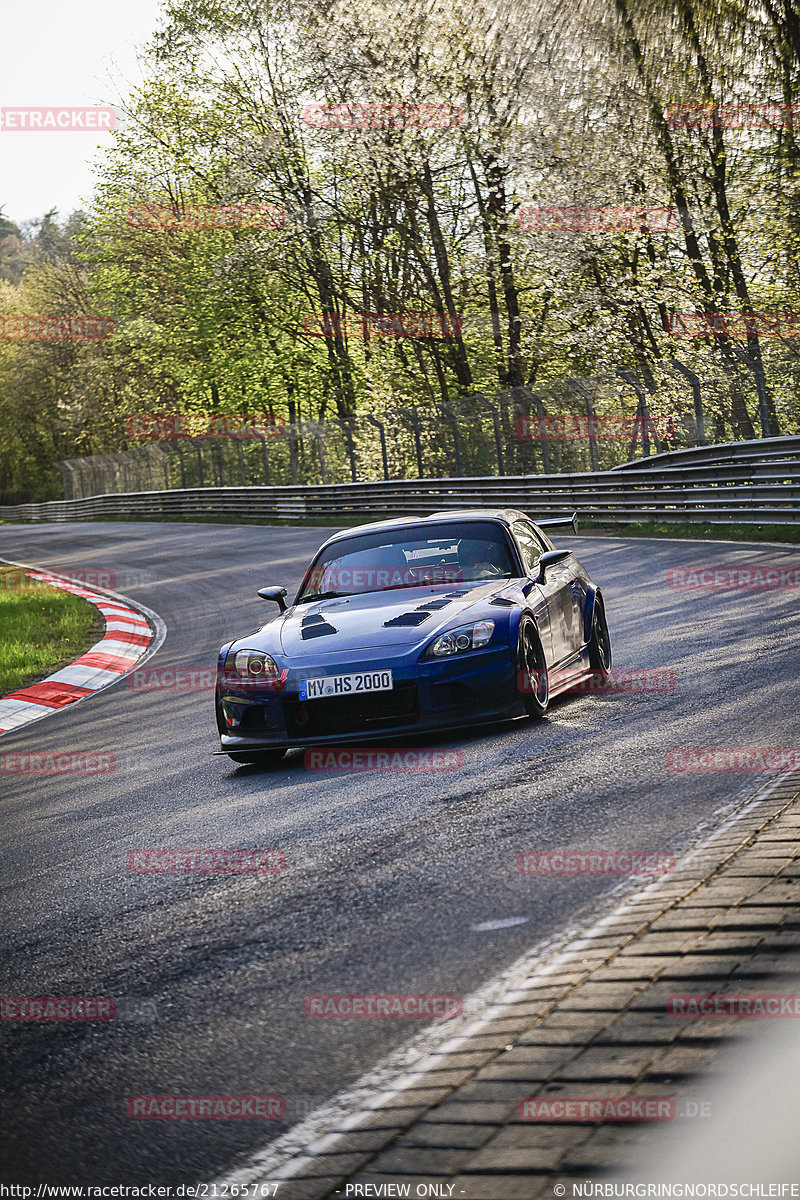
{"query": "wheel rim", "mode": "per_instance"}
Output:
(535, 671)
(602, 637)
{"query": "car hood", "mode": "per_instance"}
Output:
(397, 618)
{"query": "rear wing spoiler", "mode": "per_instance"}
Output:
(552, 522)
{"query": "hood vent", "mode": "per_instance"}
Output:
(314, 625)
(415, 617)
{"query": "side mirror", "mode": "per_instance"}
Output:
(278, 594)
(549, 559)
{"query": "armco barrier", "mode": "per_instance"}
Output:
(730, 492)
(720, 453)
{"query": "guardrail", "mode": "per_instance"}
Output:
(730, 492)
(759, 450)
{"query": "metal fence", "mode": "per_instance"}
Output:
(474, 437)
(750, 482)
(587, 424)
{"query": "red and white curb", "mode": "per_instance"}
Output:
(132, 634)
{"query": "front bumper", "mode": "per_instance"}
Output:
(478, 686)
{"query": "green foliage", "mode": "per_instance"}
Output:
(560, 109)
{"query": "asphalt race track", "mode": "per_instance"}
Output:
(387, 874)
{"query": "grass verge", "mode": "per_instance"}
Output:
(41, 629)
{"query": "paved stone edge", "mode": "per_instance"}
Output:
(436, 1122)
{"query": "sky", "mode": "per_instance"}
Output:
(69, 55)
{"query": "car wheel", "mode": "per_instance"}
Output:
(600, 643)
(532, 678)
(255, 758)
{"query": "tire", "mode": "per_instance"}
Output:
(255, 758)
(532, 670)
(600, 643)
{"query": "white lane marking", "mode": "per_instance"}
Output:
(502, 923)
(407, 1066)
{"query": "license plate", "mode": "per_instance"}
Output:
(346, 685)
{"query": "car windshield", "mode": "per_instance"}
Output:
(416, 556)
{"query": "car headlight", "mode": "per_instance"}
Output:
(467, 637)
(253, 664)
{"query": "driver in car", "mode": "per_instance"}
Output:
(482, 560)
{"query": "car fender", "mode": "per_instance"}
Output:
(223, 654)
(529, 608)
(592, 594)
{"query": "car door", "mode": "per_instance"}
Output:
(530, 550)
(559, 591)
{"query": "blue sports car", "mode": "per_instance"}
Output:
(414, 625)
